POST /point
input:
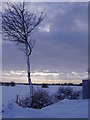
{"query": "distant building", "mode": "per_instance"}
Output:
(86, 89)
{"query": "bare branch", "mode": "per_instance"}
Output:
(18, 24)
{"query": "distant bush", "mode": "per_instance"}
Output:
(6, 84)
(12, 83)
(80, 84)
(44, 85)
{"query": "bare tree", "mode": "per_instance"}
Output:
(17, 26)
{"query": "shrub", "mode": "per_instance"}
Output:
(40, 99)
(44, 85)
(67, 92)
(60, 93)
(75, 95)
(64, 92)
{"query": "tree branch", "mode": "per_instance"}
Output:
(18, 24)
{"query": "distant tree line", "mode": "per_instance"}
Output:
(44, 85)
(8, 83)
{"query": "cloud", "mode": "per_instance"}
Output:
(45, 28)
(24, 73)
(42, 76)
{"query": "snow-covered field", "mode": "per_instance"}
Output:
(62, 109)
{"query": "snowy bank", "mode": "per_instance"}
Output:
(63, 109)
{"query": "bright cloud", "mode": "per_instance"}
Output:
(45, 28)
(21, 76)
(44, 74)
(24, 73)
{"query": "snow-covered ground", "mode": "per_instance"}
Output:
(62, 109)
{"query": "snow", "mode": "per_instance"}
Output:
(62, 109)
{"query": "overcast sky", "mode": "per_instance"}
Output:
(61, 50)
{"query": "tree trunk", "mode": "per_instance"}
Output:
(28, 71)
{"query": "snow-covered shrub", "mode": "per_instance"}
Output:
(75, 95)
(67, 92)
(23, 102)
(60, 93)
(41, 99)
(64, 92)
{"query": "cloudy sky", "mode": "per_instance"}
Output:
(61, 50)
